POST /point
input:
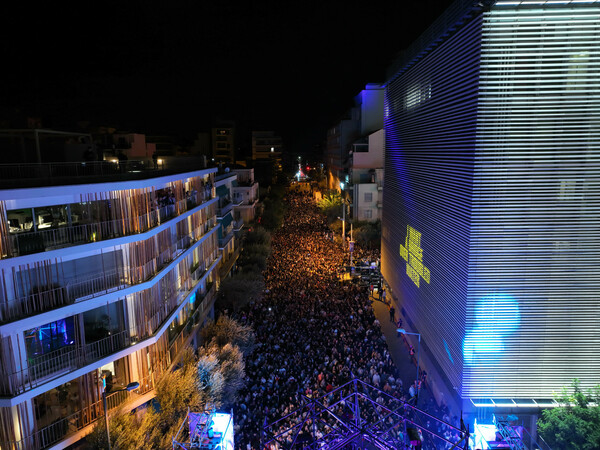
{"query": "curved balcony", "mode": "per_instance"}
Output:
(48, 367)
(25, 242)
(81, 289)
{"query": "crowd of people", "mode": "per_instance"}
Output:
(313, 333)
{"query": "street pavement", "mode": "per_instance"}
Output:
(436, 389)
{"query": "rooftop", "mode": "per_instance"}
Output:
(26, 175)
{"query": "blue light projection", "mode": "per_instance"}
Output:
(496, 316)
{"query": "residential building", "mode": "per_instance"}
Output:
(245, 195)
(134, 145)
(363, 171)
(339, 141)
(229, 225)
(109, 280)
(490, 223)
(224, 142)
(38, 145)
(266, 145)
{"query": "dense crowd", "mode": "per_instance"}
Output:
(313, 332)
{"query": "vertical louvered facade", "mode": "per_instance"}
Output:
(491, 224)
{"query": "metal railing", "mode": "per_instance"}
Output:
(223, 210)
(67, 426)
(90, 287)
(228, 232)
(179, 341)
(33, 303)
(238, 224)
(41, 368)
(29, 242)
(21, 171)
(97, 285)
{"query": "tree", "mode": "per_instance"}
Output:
(175, 391)
(258, 236)
(367, 234)
(229, 331)
(331, 199)
(221, 373)
(576, 423)
(237, 291)
(331, 205)
(255, 254)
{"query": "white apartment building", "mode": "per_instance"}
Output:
(245, 194)
(365, 172)
(107, 279)
(229, 225)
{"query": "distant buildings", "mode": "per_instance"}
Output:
(490, 208)
(355, 153)
(223, 139)
(266, 145)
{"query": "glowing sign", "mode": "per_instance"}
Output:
(412, 253)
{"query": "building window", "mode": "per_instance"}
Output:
(368, 197)
(367, 213)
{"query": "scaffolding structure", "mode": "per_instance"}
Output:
(358, 415)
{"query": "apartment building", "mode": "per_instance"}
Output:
(99, 280)
(365, 174)
(229, 225)
(224, 142)
(266, 145)
(355, 154)
(245, 194)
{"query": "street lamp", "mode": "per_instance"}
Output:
(403, 331)
(130, 387)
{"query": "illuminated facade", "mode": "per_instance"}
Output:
(491, 208)
(112, 279)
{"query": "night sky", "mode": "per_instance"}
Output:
(171, 67)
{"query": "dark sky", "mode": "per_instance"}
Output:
(172, 66)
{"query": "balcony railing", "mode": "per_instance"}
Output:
(179, 341)
(223, 210)
(227, 264)
(45, 367)
(66, 426)
(238, 224)
(55, 363)
(228, 237)
(29, 242)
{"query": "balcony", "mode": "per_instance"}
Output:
(46, 367)
(28, 242)
(227, 238)
(238, 224)
(225, 209)
(228, 263)
(81, 289)
(49, 366)
(70, 425)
